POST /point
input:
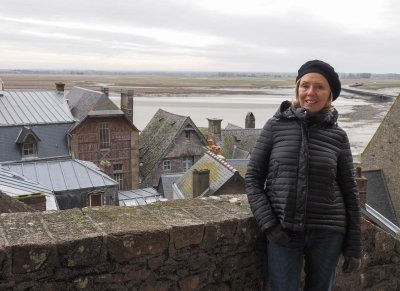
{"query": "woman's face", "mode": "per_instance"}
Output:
(314, 92)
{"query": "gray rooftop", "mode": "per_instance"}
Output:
(84, 102)
(33, 107)
(243, 139)
(378, 196)
(139, 197)
(166, 182)
(62, 175)
(14, 184)
(52, 141)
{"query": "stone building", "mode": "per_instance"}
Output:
(170, 143)
(105, 134)
(382, 152)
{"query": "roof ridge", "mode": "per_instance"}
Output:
(222, 161)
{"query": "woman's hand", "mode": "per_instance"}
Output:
(277, 235)
(351, 264)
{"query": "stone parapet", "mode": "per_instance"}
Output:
(198, 244)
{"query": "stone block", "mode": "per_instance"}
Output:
(70, 224)
(82, 252)
(193, 282)
(124, 219)
(27, 258)
(127, 246)
(184, 236)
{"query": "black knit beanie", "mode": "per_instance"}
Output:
(317, 66)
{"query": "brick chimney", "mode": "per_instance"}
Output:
(214, 130)
(127, 103)
(105, 90)
(361, 186)
(36, 201)
(201, 181)
(60, 86)
(250, 121)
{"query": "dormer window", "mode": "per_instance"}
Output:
(28, 141)
(28, 149)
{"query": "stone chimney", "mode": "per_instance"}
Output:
(127, 103)
(60, 86)
(105, 90)
(250, 120)
(201, 181)
(214, 130)
(35, 201)
(361, 186)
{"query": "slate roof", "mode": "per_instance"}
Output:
(166, 182)
(33, 107)
(62, 175)
(378, 196)
(139, 197)
(157, 137)
(10, 205)
(14, 184)
(232, 126)
(244, 139)
(52, 141)
(84, 102)
(220, 173)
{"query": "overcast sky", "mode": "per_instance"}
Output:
(200, 35)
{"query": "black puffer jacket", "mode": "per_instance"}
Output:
(301, 175)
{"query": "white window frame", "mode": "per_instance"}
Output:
(167, 165)
(119, 177)
(187, 163)
(104, 136)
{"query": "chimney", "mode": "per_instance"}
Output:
(127, 103)
(361, 186)
(250, 120)
(201, 181)
(36, 201)
(105, 90)
(60, 86)
(214, 130)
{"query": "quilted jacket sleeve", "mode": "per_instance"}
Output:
(256, 176)
(352, 246)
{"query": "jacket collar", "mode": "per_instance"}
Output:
(323, 118)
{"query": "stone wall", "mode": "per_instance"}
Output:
(199, 244)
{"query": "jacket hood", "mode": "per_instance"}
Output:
(324, 117)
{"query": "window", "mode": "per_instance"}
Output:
(166, 165)
(117, 167)
(28, 149)
(187, 134)
(120, 179)
(104, 136)
(96, 199)
(187, 162)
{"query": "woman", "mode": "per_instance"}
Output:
(301, 187)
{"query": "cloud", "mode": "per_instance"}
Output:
(208, 35)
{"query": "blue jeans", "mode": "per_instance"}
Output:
(320, 249)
